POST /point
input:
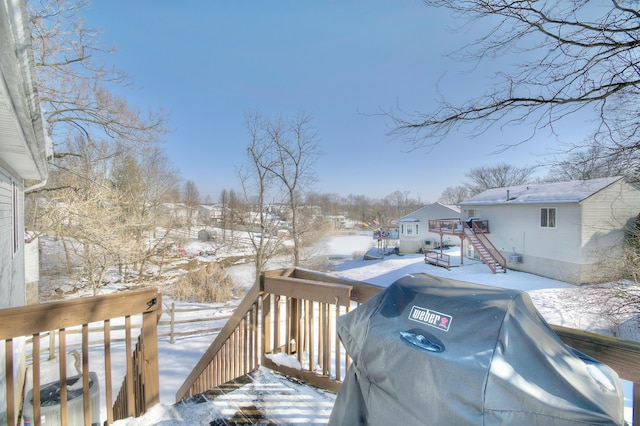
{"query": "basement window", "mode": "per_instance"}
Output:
(548, 217)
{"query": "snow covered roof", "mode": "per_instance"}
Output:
(434, 211)
(554, 192)
(409, 219)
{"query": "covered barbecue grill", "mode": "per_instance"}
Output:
(435, 351)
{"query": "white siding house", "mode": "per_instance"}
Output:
(413, 229)
(571, 231)
(22, 158)
(209, 214)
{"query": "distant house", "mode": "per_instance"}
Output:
(23, 165)
(210, 213)
(571, 231)
(177, 213)
(413, 229)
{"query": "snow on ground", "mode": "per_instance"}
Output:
(559, 303)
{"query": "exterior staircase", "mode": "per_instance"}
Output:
(485, 249)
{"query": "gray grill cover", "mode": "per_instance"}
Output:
(429, 351)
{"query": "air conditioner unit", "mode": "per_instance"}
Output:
(515, 258)
(50, 402)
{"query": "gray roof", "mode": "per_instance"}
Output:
(432, 208)
(554, 192)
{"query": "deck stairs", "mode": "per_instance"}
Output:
(486, 250)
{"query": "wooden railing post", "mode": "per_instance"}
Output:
(8, 368)
(173, 320)
(150, 370)
(636, 404)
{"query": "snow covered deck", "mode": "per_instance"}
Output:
(262, 397)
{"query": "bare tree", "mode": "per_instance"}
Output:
(98, 199)
(295, 145)
(498, 176)
(329, 203)
(191, 199)
(572, 56)
(257, 180)
(73, 80)
(454, 195)
(160, 185)
(590, 163)
(231, 206)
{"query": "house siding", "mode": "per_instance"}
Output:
(607, 215)
(549, 252)
(587, 234)
(12, 291)
(416, 241)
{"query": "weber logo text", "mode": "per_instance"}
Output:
(432, 318)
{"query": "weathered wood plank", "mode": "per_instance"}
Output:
(10, 386)
(240, 312)
(108, 385)
(310, 290)
(28, 320)
(621, 355)
(151, 371)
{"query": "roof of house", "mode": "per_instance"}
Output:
(553, 192)
(435, 207)
(22, 138)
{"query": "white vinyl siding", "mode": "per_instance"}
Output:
(12, 278)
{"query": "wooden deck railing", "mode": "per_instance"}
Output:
(453, 227)
(293, 311)
(475, 231)
(140, 388)
(477, 234)
(436, 258)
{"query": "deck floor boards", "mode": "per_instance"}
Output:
(265, 397)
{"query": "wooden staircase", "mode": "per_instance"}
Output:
(486, 250)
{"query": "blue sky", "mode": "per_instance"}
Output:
(207, 63)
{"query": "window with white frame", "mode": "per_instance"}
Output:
(548, 217)
(409, 229)
(473, 213)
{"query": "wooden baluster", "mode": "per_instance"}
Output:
(130, 396)
(312, 341)
(85, 375)
(62, 353)
(35, 376)
(8, 368)
(108, 385)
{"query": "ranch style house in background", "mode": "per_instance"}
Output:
(570, 231)
(413, 229)
(22, 158)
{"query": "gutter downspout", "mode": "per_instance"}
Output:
(36, 186)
